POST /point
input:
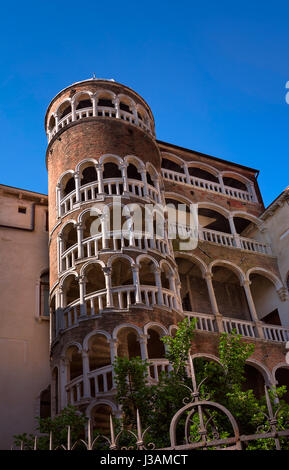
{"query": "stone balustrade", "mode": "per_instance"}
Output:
(111, 187)
(248, 329)
(206, 185)
(100, 111)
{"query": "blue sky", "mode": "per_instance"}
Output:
(213, 72)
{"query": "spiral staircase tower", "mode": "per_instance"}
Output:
(114, 295)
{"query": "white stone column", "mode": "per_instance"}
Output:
(79, 230)
(117, 108)
(104, 231)
(107, 276)
(123, 169)
(58, 200)
(234, 231)
(188, 176)
(143, 346)
(213, 300)
(246, 284)
(134, 112)
(85, 371)
(58, 312)
(56, 123)
(94, 100)
(77, 187)
(113, 349)
(73, 110)
(252, 191)
(63, 375)
(135, 275)
(113, 354)
(144, 180)
(172, 284)
(221, 182)
(82, 288)
(99, 171)
(60, 250)
(158, 282)
(157, 188)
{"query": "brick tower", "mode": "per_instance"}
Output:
(112, 295)
(118, 295)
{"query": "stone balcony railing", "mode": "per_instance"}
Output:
(100, 381)
(118, 298)
(234, 241)
(91, 192)
(199, 183)
(115, 241)
(221, 238)
(248, 329)
(100, 111)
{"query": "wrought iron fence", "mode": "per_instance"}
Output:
(198, 413)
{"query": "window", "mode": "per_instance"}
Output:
(22, 210)
(44, 295)
(46, 221)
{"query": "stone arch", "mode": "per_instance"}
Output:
(64, 108)
(205, 166)
(88, 263)
(82, 99)
(178, 197)
(161, 328)
(203, 172)
(266, 273)
(195, 259)
(152, 175)
(267, 375)
(99, 353)
(97, 211)
(127, 101)
(228, 284)
(173, 329)
(126, 325)
(248, 216)
(70, 289)
(86, 161)
(51, 123)
(193, 289)
(66, 183)
(166, 270)
(71, 273)
(205, 355)
(148, 257)
(69, 345)
(278, 366)
(92, 333)
(142, 114)
(172, 162)
(128, 340)
(112, 259)
(235, 180)
(215, 207)
(173, 158)
(265, 288)
(99, 401)
(110, 157)
(234, 267)
(104, 93)
(235, 175)
(135, 161)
